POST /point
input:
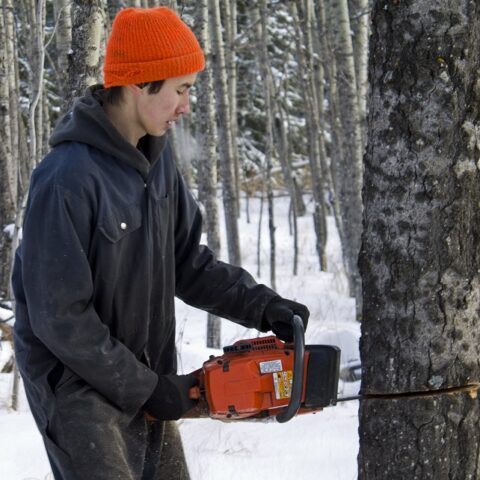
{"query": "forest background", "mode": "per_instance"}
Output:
(270, 117)
(282, 110)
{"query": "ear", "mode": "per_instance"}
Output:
(135, 90)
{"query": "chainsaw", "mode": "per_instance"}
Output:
(265, 378)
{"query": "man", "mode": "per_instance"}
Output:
(111, 235)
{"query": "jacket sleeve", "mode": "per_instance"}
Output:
(58, 288)
(207, 283)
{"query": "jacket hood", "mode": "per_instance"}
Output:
(88, 123)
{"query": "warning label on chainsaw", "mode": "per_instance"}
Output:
(283, 384)
(271, 366)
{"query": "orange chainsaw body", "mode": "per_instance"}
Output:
(253, 378)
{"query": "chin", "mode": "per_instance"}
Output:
(157, 133)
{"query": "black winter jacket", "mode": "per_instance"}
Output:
(111, 235)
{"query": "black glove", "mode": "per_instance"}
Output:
(170, 399)
(278, 317)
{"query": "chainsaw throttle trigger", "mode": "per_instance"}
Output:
(297, 381)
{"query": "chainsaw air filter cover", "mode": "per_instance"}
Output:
(254, 378)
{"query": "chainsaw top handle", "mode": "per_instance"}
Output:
(299, 353)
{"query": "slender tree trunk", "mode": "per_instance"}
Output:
(304, 44)
(226, 149)
(285, 162)
(85, 66)
(351, 137)
(291, 177)
(260, 21)
(36, 11)
(359, 20)
(420, 258)
(337, 153)
(259, 234)
(7, 170)
(63, 38)
(230, 23)
(13, 88)
(207, 162)
(181, 148)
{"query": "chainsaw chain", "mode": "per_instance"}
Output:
(470, 389)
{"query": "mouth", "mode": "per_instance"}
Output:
(171, 123)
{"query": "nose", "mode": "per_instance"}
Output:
(184, 106)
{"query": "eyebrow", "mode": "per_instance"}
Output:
(186, 84)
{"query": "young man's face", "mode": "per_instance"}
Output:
(158, 112)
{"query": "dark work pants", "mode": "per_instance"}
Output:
(89, 438)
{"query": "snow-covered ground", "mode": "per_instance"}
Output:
(318, 447)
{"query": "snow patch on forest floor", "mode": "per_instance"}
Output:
(309, 447)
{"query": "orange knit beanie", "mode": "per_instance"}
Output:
(150, 44)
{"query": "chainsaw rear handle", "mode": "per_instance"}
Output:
(299, 354)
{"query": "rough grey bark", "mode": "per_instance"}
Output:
(207, 158)
(420, 258)
(226, 150)
(87, 28)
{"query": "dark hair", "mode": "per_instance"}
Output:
(113, 95)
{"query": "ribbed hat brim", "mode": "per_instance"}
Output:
(131, 73)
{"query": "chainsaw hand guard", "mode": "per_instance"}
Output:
(297, 386)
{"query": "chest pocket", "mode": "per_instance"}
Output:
(119, 222)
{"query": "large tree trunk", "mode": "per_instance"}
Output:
(226, 148)
(420, 259)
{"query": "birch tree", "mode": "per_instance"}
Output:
(226, 149)
(7, 163)
(229, 8)
(359, 21)
(207, 157)
(63, 39)
(420, 258)
(85, 68)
